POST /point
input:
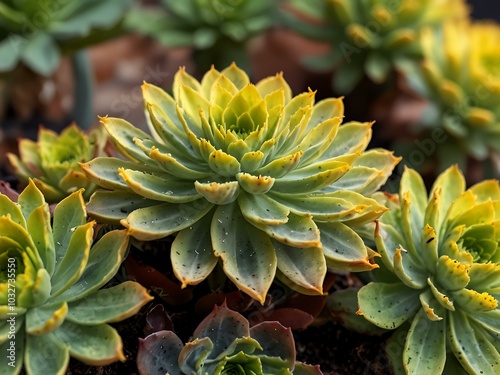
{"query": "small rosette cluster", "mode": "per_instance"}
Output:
(223, 344)
(267, 183)
(371, 37)
(440, 277)
(52, 161)
(461, 72)
(51, 304)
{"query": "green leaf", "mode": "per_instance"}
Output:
(218, 193)
(194, 353)
(425, 346)
(104, 172)
(305, 267)
(110, 207)
(70, 268)
(11, 49)
(122, 134)
(377, 67)
(472, 346)
(407, 271)
(38, 293)
(298, 231)
(96, 345)
(40, 230)
(104, 260)
(311, 178)
(41, 54)
(29, 199)
(260, 209)
(69, 214)
(109, 305)
(351, 137)
(160, 187)
(248, 255)
(343, 248)
(191, 254)
(46, 318)
(45, 354)
(163, 219)
(388, 305)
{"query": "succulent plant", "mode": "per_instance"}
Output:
(440, 274)
(223, 344)
(217, 30)
(369, 37)
(461, 73)
(51, 304)
(245, 174)
(52, 161)
(37, 33)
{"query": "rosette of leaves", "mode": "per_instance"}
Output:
(440, 275)
(223, 344)
(461, 74)
(51, 304)
(267, 183)
(217, 30)
(369, 37)
(52, 161)
(37, 33)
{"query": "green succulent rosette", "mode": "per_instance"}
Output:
(369, 37)
(268, 184)
(51, 304)
(37, 33)
(217, 30)
(52, 161)
(461, 75)
(223, 344)
(440, 275)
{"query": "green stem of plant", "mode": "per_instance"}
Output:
(83, 112)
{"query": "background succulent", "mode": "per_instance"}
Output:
(369, 37)
(217, 30)
(222, 344)
(439, 280)
(51, 304)
(52, 161)
(461, 80)
(37, 33)
(267, 183)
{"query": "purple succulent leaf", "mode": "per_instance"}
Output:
(276, 341)
(222, 326)
(193, 355)
(158, 354)
(304, 369)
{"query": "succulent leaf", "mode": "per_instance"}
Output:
(258, 165)
(57, 270)
(223, 343)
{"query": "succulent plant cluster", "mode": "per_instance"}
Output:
(440, 273)
(269, 184)
(52, 161)
(217, 30)
(370, 37)
(37, 33)
(51, 304)
(461, 72)
(223, 344)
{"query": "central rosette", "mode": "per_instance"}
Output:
(248, 176)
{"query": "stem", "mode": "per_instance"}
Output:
(83, 110)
